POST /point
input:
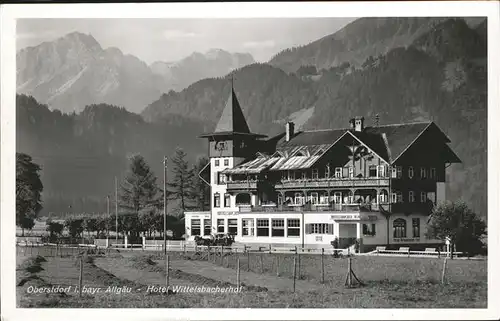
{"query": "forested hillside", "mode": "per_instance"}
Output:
(80, 154)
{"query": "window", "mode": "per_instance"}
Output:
(304, 175)
(293, 227)
(433, 173)
(232, 225)
(416, 227)
(314, 198)
(299, 199)
(284, 176)
(337, 197)
(216, 162)
(410, 172)
(278, 227)
(338, 172)
(372, 171)
(221, 228)
(423, 197)
(399, 228)
(207, 227)
(351, 171)
(393, 172)
(399, 171)
(314, 173)
(226, 162)
(291, 175)
(423, 172)
(381, 171)
(369, 229)
(216, 200)
(411, 196)
(248, 226)
(396, 197)
(222, 178)
(327, 171)
(196, 227)
(319, 228)
(263, 227)
(227, 200)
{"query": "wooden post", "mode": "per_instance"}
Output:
(298, 266)
(167, 270)
(261, 264)
(277, 265)
(408, 252)
(294, 271)
(349, 268)
(444, 270)
(222, 255)
(238, 273)
(80, 279)
(248, 261)
(208, 257)
(269, 248)
(184, 244)
(322, 265)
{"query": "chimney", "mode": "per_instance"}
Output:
(289, 130)
(357, 123)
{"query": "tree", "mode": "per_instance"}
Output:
(457, 222)
(139, 189)
(74, 226)
(201, 190)
(55, 229)
(28, 191)
(181, 184)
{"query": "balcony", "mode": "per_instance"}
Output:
(371, 207)
(242, 185)
(332, 182)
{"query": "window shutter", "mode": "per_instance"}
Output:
(373, 229)
(330, 229)
(308, 228)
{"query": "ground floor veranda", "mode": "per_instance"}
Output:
(314, 229)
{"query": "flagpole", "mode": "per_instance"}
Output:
(116, 208)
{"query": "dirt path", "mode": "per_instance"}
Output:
(223, 274)
(142, 277)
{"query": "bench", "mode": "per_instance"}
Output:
(404, 249)
(430, 249)
(380, 248)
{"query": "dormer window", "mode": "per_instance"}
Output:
(226, 162)
(338, 172)
(327, 171)
(423, 172)
(433, 173)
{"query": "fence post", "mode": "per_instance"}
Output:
(298, 265)
(277, 265)
(238, 273)
(208, 255)
(294, 271)
(270, 249)
(184, 245)
(80, 279)
(322, 266)
(349, 280)
(261, 264)
(408, 252)
(444, 270)
(248, 260)
(167, 269)
(222, 255)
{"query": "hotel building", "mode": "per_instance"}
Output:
(373, 184)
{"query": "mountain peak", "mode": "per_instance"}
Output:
(85, 39)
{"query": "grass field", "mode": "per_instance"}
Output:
(389, 282)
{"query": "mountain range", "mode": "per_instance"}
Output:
(436, 70)
(74, 71)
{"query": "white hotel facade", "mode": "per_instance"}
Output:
(373, 185)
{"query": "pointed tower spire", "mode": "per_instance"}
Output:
(232, 118)
(232, 121)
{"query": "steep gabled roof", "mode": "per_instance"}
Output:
(387, 141)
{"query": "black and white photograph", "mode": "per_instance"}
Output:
(337, 161)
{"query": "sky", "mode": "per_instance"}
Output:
(172, 39)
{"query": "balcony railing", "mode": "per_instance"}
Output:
(313, 208)
(333, 182)
(241, 185)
